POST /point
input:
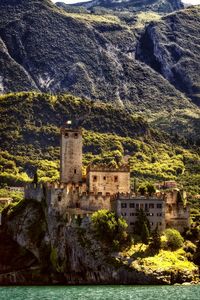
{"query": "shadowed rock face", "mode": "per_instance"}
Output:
(171, 47)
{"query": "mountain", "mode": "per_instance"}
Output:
(162, 6)
(171, 47)
(46, 49)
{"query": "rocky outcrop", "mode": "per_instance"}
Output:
(47, 251)
(171, 47)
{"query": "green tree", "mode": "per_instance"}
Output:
(142, 189)
(142, 226)
(110, 228)
(145, 234)
(151, 189)
(174, 239)
(156, 240)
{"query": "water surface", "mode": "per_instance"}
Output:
(101, 292)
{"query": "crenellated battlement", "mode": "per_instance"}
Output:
(34, 191)
(66, 128)
(103, 168)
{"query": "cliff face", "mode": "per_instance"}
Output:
(171, 47)
(48, 251)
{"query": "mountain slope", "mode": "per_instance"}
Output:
(165, 6)
(172, 47)
(94, 58)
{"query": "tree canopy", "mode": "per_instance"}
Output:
(110, 228)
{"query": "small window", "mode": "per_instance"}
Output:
(141, 206)
(137, 205)
(132, 214)
(74, 171)
(123, 205)
(104, 177)
(159, 205)
(116, 179)
(151, 214)
(159, 214)
(75, 135)
(94, 178)
(146, 206)
(132, 223)
(132, 205)
(66, 134)
(59, 198)
(151, 205)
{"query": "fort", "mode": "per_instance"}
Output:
(104, 187)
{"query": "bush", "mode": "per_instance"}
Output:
(174, 240)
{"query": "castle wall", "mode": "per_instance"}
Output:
(171, 196)
(108, 181)
(34, 192)
(177, 216)
(71, 155)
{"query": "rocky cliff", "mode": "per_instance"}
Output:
(171, 47)
(48, 251)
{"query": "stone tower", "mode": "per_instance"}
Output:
(71, 154)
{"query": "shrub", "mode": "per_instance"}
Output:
(174, 240)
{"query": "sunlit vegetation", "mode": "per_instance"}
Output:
(165, 261)
(172, 256)
(110, 229)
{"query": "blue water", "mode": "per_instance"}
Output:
(101, 292)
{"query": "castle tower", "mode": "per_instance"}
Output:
(71, 154)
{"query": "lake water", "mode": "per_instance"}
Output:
(101, 292)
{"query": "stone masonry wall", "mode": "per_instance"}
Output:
(108, 181)
(71, 155)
